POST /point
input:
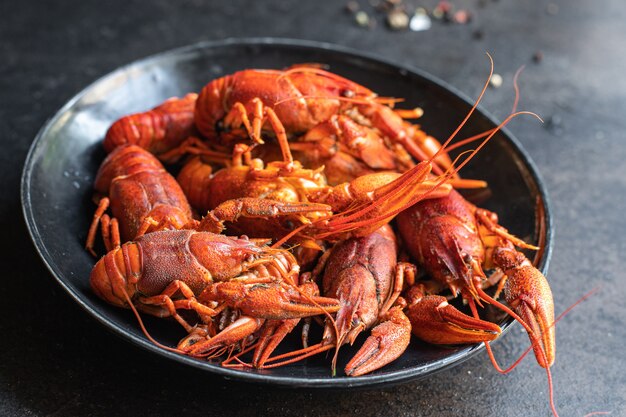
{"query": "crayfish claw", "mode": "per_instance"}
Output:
(198, 344)
(388, 340)
(435, 321)
(270, 300)
(232, 210)
(527, 291)
(298, 306)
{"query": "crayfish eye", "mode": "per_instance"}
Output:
(219, 126)
(347, 93)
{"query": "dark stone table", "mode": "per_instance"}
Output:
(55, 360)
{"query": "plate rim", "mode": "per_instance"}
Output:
(365, 381)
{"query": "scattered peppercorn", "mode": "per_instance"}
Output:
(397, 19)
(496, 81)
(362, 19)
(402, 14)
(462, 17)
(420, 20)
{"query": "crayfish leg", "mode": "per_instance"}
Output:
(110, 229)
(103, 205)
(167, 307)
(194, 146)
(273, 334)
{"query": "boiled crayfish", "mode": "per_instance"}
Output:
(310, 100)
(162, 272)
(142, 195)
(162, 130)
(310, 159)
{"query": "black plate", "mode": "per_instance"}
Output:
(59, 170)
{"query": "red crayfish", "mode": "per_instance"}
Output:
(358, 164)
(143, 197)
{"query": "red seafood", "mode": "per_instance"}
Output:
(162, 272)
(162, 130)
(303, 98)
(142, 195)
(455, 240)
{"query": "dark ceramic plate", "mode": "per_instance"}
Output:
(60, 168)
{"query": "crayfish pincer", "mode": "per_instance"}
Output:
(162, 272)
(364, 275)
(527, 291)
(453, 240)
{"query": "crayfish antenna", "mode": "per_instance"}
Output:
(469, 114)
(143, 327)
(523, 355)
(400, 194)
(471, 139)
(541, 356)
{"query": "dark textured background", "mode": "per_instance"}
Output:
(55, 360)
